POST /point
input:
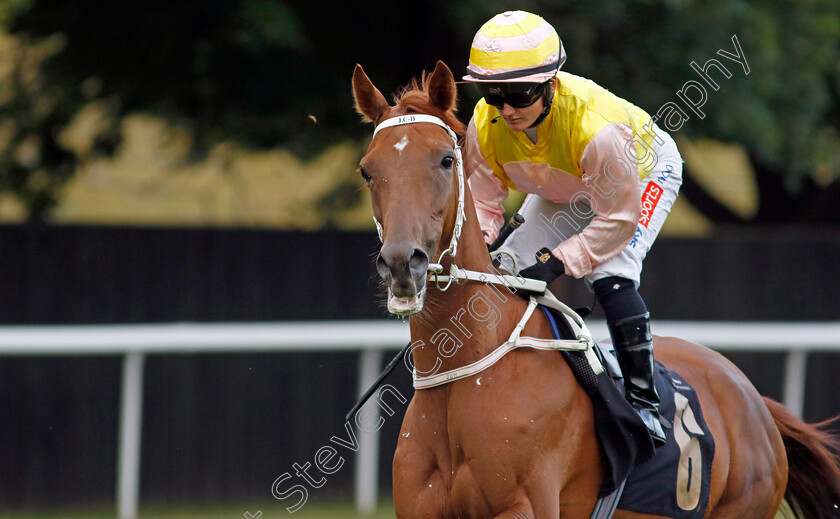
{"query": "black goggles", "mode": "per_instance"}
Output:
(495, 95)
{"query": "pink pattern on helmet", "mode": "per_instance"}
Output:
(520, 42)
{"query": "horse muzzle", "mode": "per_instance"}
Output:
(403, 269)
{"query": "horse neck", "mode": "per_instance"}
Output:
(468, 320)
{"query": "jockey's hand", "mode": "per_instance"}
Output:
(547, 268)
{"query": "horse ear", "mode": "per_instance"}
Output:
(370, 103)
(442, 92)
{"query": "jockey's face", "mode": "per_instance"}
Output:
(519, 119)
(520, 104)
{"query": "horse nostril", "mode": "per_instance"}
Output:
(418, 263)
(401, 262)
(382, 267)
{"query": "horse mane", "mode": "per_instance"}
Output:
(414, 99)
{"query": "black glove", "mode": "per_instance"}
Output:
(547, 268)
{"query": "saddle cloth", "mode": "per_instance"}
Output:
(673, 480)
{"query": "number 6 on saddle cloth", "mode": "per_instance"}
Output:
(673, 480)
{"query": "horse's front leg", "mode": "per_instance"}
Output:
(521, 510)
(421, 489)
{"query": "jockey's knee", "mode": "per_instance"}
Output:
(619, 298)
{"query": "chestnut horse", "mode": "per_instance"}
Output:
(517, 440)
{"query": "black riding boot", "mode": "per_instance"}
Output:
(632, 340)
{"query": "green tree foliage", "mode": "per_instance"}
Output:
(276, 73)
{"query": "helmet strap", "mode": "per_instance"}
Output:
(548, 100)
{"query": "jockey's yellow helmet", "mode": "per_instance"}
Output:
(515, 46)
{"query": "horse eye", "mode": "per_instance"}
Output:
(447, 162)
(364, 174)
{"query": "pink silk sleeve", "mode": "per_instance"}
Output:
(487, 189)
(611, 181)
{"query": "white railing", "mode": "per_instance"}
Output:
(372, 339)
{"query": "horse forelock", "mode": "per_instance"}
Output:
(414, 98)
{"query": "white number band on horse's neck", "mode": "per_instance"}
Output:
(460, 216)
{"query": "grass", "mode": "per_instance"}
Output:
(270, 510)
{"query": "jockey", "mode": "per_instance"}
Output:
(601, 178)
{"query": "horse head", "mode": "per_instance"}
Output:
(410, 170)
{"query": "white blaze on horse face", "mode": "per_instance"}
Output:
(402, 144)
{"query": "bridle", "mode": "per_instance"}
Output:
(583, 341)
(457, 274)
(460, 216)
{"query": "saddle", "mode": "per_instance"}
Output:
(673, 480)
